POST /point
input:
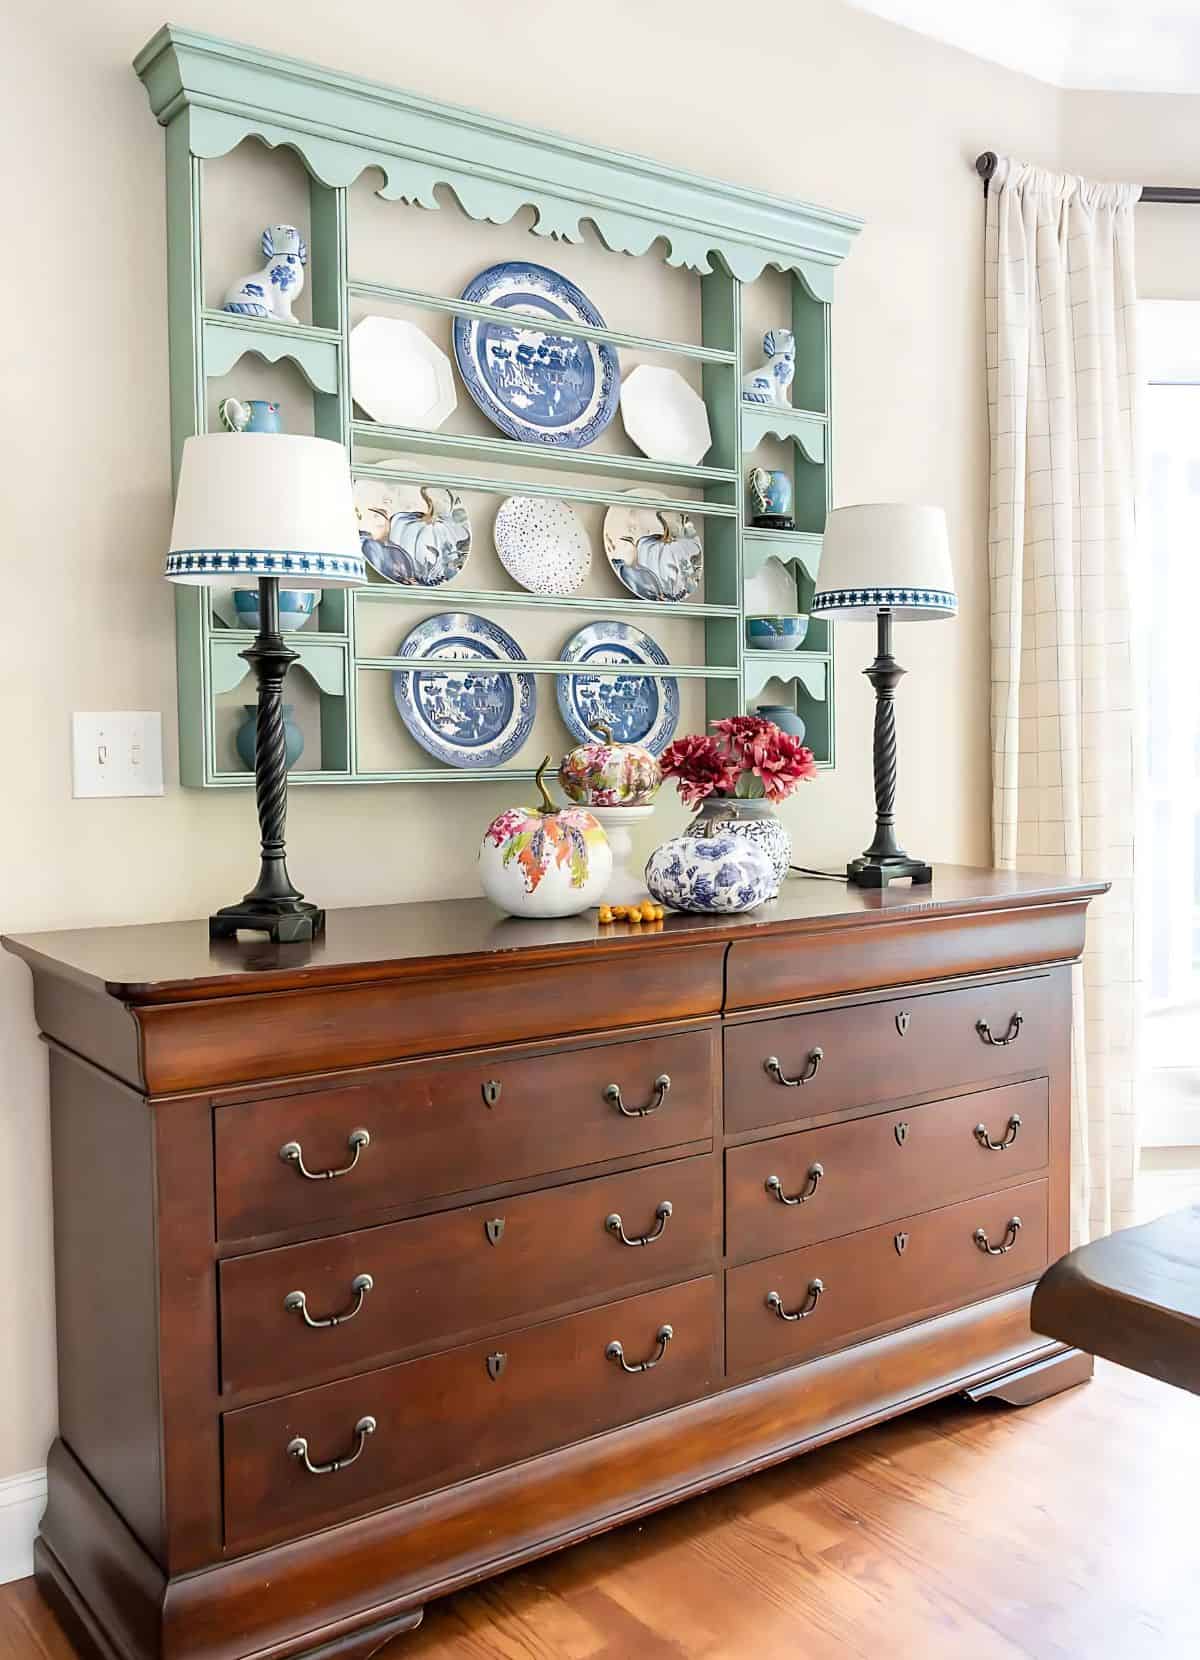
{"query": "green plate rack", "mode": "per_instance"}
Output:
(211, 95)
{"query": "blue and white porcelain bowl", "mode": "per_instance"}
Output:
(714, 875)
(775, 633)
(296, 606)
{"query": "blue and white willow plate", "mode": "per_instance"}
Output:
(639, 708)
(465, 717)
(535, 385)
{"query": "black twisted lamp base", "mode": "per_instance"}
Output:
(885, 860)
(273, 906)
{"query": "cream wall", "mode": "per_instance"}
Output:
(1133, 135)
(821, 102)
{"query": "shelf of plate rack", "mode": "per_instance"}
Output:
(213, 95)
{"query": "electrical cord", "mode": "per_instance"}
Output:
(825, 875)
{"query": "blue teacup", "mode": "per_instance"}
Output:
(295, 607)
(250, 415)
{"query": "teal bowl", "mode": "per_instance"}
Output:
(296, 606)
(775, 633)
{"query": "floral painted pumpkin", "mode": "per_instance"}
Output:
(609, 774)
(544, 861)
(714, 874)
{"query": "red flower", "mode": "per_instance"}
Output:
(747, 748)
(740, 731)
(781, 761)
(701, 768)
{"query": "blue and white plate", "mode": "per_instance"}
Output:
(639, 708)
(465, 717)
(535, 385)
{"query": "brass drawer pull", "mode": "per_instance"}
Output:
(616, 1353)
(984, 1139)
(815, 1057)
(775, 1187)
(775, 1302)
(616, 1227)
(290, 1153)
(661, 1085)
(296, 1303)
(1006, 1244)
(1014, 1030)
(297, 1448)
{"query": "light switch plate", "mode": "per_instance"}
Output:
(117, 753)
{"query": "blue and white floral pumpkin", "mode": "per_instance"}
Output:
(710, 873)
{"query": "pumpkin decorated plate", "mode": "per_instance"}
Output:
(413, 534)
(655, 555)
(465, 717)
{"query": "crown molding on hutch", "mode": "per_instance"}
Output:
(342, 124)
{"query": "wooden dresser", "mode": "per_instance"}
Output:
(390, 1262)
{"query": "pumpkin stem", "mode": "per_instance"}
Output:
(602, 731)
(547, 805)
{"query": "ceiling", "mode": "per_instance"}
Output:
(1146, 46)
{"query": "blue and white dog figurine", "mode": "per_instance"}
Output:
(271, 291)
(772, 382)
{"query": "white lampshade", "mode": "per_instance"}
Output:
(265, 504)
(886, 556)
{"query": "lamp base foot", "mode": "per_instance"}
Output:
(866, 872)
(285, 923)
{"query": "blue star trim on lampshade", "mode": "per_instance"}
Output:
(219, 562)
(882, 599)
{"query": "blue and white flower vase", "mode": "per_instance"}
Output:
(247, 737)
(272, 291)
(716, 874)
(752, 821)
(771, 382)
(770, 499)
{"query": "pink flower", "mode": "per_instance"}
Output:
(781, 761)
(700, 767)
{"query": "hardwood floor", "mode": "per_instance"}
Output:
(1064, 1531)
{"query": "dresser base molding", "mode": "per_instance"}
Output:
(1036, 1382)
(369, 1578)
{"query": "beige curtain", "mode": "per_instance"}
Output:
(1065, 757)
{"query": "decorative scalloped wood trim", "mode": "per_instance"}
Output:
(227, 341)
(340, 125)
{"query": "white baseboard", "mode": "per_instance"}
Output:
(22, 1500)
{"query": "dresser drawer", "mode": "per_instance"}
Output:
(876, 1052)
(817, 1184)
(439, 1278)
(882, 1277)
(453, 1415)
(446, 1126)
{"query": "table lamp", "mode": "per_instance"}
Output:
(266, 506)
(888, 560)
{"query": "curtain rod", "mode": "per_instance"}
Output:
(986, 164)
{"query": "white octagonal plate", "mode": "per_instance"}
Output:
(664, 416)
(398, 376)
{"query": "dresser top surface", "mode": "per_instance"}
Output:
(175, 961)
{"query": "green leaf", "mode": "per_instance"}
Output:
(749, 788)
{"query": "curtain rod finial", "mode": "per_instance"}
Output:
(986, 164)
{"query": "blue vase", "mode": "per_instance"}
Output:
(771, 499)
(247, 738)
(787, 720)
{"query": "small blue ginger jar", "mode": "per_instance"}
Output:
(713, 874)
(247, 736)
